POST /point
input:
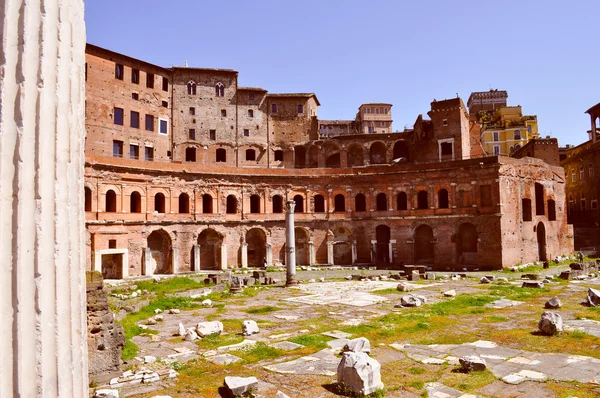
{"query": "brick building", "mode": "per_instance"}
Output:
(187, 171)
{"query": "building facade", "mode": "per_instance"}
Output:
(212, 194)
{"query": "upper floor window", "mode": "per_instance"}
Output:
(149, 153)
(135, 76)
(134, 120)
(496, 150)
(274, 108)
(581, 174)
(496, 136)
(251, 97)
(445, 122)
(150, 80)
(529, 129)
(191, 88)
(387, 110)
(591, 170)
(371, 130)
(119, 71)
(165, 84)
(192, 110)
(219, 90)
(300, 109)
(246, 132)
(223, 112)
(118, 116)
(368, 110)
(149, 123)
(135, 96)
(382, 124)
(377, 111)
(517, 135)
(573, 173)
(163, 127)
(212, 134)
(192, 134)
(118, 149)
(250, 113)
(250, 154)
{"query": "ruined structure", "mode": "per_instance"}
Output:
(187, 171)
(43, 348)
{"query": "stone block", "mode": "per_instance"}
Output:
(359, 373)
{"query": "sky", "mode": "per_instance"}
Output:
(546, 54)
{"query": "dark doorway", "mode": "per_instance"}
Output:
(184, 203)
(111, 201)
(299, 157)
(424, 245)
(210, 249)
(257, 247)
(541, 239)
(383, 234)
(422, 200)
(159, 243)
(207, 204)
(319, 204)
(301, 240)
(254, 204)
(381, 202)
(339, 203)
(401, 201)
(299, 204)
(360, 202)
(401, 150)
(232, 204)
(466, 244)
(277, 204)
(135, 202)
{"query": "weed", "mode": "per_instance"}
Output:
(312, 340)
(262, 310)
(494, 318)
(416, 371)
(259, 352)
(460, 304)
(218, 340)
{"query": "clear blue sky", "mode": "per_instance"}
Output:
(546, 54)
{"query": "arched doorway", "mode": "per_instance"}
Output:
(339, 203)
(541, 239)
(207, 204)
(210, 249)
(356, 156)
(466, 244)
(232, 204)
(360, 203)
(111, 201)
(277, 204)
(342, 246)
(256, 239)
(424, 245)
(88, 199)
(301, 241)
(401, 150)
(377, 153)
(254, 204)
(333, 160)
(299, 204)
(135, 202)
(383, 234)
(381, 202)
(159, 243)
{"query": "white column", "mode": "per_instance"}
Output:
(373, 251)
(354, 252)
(290, 244)
(312, 253)
(244, 255)
(223, 256)
(329, 253)
(175, 260)
(269, 254)
(43, 340)
(148, 262)
(197, 258)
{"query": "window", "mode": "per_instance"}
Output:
(368, 110)
(221, 155)
(551, 210)
(223, 113)
(319, 204)
(135, 96)
(278, 155)
(191, 88)
(220, 90)
(422, 202)
(192, 134)
(150, 80)
(110, 204)
(582, 203)
(382, 131)
(445, 123)
(496, 136)
(485, 192)
(190, 154)
(401, 201)
(119, 71)
(539, 199)
(371, 130)
(165, 104)
(250, 154)
(88, 199)
(517, 135)
(339, 203)
(529, 129)
(134, 119)
(184, 203)
(581, 174)
(250, 113)
(231, 204)
(593, 204)
(277, 204)
(254, 204)
(251, 97)
(246, 133)
(360, 202)
(118, 149)
(118, 116)
(149, 153)
(377, 111)
(573, 178)
(164, 127)
(496, 150)
(149, 123)
(134, 151)
(112, 243)
(135, 76)
(443, 202)
(135, 202)
(192, 110)
(159, 203)
(299, 203)
(300, 109)
(446, 148)
(590, 170)
(165, 84)
(212, 134)
(387, 110)
(86, 69)
(207, 204)
(526, 204)
(381, 202)
(382, 124)
(273, 108)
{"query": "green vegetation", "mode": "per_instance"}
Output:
(312, 340)
(259, 352)
(262, 310)
(218, 340)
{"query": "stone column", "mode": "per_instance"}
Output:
(269, 251)
(43, 346)
(312, 253)
(244, 255)
(196, 258)
(175, 260)
(148, 267)
(290, 244)
(223, 256)
(354, 252)
(329, 253)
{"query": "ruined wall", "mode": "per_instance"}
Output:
(287, 124)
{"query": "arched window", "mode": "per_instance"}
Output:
(339, 203)
(277, 204)
(250, 154)
(401, 201)
(299, 204)
(319, 204)
(219, 90)
(111, 201)
(88, 199)
(443, 199)
(255, 204)
(207, 204)
(191, 88)
(422, 202)
(539, 199)
(360, 202)
(190, 154)
(159, 203)
(221, 155)
(232, 204)
(381, 202)
(135, 202)
(184, 203)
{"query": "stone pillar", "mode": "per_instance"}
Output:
(312, 253)
(290, 244)
(43, 347)
(244, 255)
(175, 260)
(354, 252)
(329, 253)
(373, 251)
(123, 201)
(269, 251)
(223, 256)
(593, 119)
(197, 266)
(148, 266)
(391, 251)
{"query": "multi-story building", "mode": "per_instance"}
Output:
(187, 171)
(504, 129)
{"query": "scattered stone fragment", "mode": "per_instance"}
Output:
(286, 317)
(241, 385)
(207, 303)
(430, 276)
(336, 334)
(491, 277)
(450, 293)
(159, 318)
(174, 311)
(359, 373)
(553, 303)
(223, 359)
(593, 297)
(151, 377)
(149, 359)
(470, 363)
(546, 280)
(361, 344)
(484, 280)
(181, 331)
(410, 301)
(403, 287)
(321, 279)
(311, 281)
(106, 393)
(209, 328)
(533, 277)
(502, 279)
(281, 395)
(533, 284)
(249, 327)
(550, 323)
(422, 298)
(151, 321)
(287, 346)
(190, 335)
(158, 311)
(414, 275)
(348, 277)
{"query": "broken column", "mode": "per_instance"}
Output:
(290, 244)
(43, 347)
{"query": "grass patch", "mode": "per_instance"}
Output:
(494, 318)
(312, 340)
(171, 285)
(218, 340)
(416, 371)
(460, 304)
(518, 293)
(262, 310)
(386, 291)
(259, 352)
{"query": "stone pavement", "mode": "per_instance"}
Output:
(438, 390)
(510, 365)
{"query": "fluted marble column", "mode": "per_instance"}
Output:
(290, 244)
(43, 348)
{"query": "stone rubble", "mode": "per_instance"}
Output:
(209, 328)
(593, 297)
(550, 323)
(359, 373)
(361, 344)
(553, 303)
(238, 386)
(472, 363)
(249, 327)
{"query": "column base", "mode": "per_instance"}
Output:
(292, 282)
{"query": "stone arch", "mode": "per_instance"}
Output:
(110, 202)
(381, 202)
(356, 155)
(423, 242)
(299, 156)
(401, 201)
(184, 203)
(299, 199)
(377, 153)
(207, 203)
(319, 203)
(466, 244)
(256, 239)
(333, 160)
(313, 156)
(254, 203)
(302, 239)
(443, 201)
(383, 236)
(210, 242)
(342, 246)
(231, 204)
(159, 243)
(360, 203)
(401, 150)
(339, 203)
(159, 202)
(277, 204)
(135, 202)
